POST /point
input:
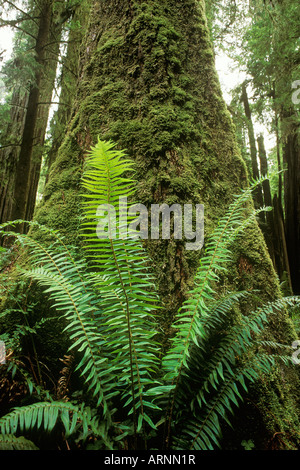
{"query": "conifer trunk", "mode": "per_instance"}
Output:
(10, 151)
(258, 195)
(22, 178)
(291, 158)
(29, 119)
(274, 232)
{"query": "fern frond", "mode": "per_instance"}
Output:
(56, 268)
(205, 353)
(189, 321)
(213, 381)
(45, 415)
(10, 442)
(127, 288)
(202, 430)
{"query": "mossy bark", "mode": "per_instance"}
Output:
(258, 193)
(22, 162)
(9, 153)
(291, 158)
(147, 81)
(68, 81)
(22, 177)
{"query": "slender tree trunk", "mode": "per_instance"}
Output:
(10, 152)
(267, 198)
(274, 232)
(281, 252)
(279, 165)
(68, 80)
(22, 181)
(26, 159)
(291, 159)
(258, 196)
(264, 170)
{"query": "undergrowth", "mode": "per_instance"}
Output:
(133, 396)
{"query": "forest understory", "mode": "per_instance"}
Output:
(149, 226)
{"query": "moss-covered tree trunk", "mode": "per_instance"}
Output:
(22, 161)
(23, 175)
(68, 81)
(10, 151)
(147, 81)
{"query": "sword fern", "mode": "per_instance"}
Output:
(108, 300)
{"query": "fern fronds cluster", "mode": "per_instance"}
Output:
(11, 442)
(108, 301)
(217, 374)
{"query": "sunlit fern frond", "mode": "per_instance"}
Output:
(121, 268)
(218, 373)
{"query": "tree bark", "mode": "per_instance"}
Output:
(22, 180)
(291, 159)
(268, 228)
(19, 194)
(10, 151)
(68, 80)
(258, 196)
(274, 231)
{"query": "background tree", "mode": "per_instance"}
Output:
(263, 41)
(274, 65)
(31, 75)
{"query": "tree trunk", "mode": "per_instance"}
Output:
(18, 197)
(268, 229)
(22, 181)
(10, 151)
(68, 80)
(274, 231)
(258, 196)
(147, 81)
(291, 159)
(280, 252)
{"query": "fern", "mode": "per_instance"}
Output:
(109, 311)
(189, 321)
(55, 267)
(187, 365)
(108, 301)
(127, 288)
(213, 383)
(11, 442)
(46, 414)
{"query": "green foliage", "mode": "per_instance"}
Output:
(46, 415)
(10, 442)
(248, 445)
(108, 302)
(123, 279)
